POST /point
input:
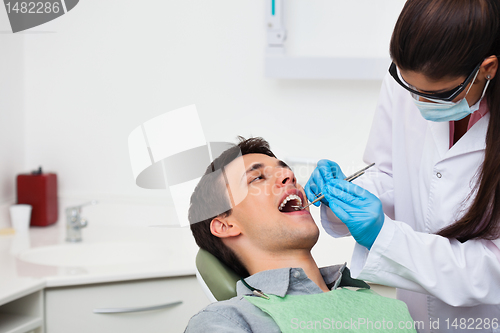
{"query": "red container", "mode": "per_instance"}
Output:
(40, 191)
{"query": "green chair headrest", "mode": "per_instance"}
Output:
(220, 279)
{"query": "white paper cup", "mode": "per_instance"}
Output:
(20, 216)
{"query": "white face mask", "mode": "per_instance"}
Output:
(448, 111)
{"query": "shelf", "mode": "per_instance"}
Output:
(11, 323)
(287, 67)
(23, 315)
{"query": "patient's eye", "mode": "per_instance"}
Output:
(256, 178)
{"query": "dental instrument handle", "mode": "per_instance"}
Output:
(359, 173)
(348, 179)
(313, 202)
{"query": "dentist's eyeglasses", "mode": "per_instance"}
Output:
(446, 96)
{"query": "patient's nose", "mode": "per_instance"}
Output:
(285, 176)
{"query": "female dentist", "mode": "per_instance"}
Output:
(432, 225)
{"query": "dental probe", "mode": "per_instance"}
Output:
(349, 179)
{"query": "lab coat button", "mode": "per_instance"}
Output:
(439, 175)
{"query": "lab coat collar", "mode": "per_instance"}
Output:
(473, 139)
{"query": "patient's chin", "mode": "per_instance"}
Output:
(309, 237)
(306, 243)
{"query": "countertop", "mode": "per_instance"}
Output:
(19, 278)
(118, 221)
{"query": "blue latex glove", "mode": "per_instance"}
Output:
(360, 210)
(325, 172)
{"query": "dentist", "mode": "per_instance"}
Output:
(431, 228)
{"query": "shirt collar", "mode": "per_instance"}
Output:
(279, 281)
(483, 107)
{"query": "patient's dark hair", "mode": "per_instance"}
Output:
(211, 192)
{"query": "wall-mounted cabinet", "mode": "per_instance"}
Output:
(329, 39)
(287, 67)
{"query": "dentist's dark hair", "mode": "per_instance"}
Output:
(447, 39)
(212, 192)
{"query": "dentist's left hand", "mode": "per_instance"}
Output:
(360, 210)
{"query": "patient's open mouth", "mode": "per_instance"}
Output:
(291, 203)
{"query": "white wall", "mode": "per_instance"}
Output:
(73, 89)
(12, 128)
(107, 66)
(94, 74)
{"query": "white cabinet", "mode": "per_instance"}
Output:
(72, 309)
(23, 315)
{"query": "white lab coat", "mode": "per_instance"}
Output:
(423, 185)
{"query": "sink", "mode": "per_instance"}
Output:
(94, 254)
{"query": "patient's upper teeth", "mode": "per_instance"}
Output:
(288, 198)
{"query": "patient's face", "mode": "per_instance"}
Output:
(265, 191)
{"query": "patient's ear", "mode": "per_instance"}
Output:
(224, 228)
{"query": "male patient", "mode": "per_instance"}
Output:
(267, 240)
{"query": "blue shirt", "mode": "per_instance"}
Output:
(238, 315)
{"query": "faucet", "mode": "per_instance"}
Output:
(75, 222)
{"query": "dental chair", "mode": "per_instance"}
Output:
(219, 281)
(216, 279)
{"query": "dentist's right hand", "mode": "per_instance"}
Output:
(360, 210)
(325, 172)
